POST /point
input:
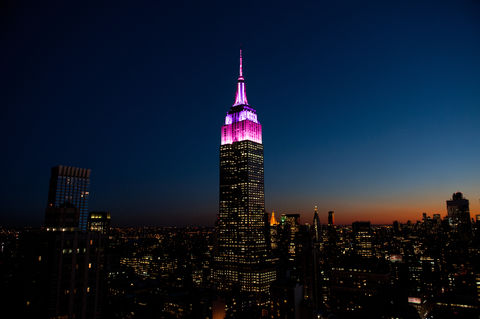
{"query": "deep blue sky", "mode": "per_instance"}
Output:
(370, 108)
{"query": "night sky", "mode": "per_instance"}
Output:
(369, 108)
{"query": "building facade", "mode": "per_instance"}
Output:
(362, 233)
(62, 274)
(69, 188)
(331, 218)
(458, 214)
(242, 260)
(99, 221)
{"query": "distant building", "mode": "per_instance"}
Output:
(396, 227)
(273, 221)
(331, 218)
(274, 235)
(362, 233)
(355, 287)
(99, 221)
(290, 229)
(69, 188)
(316, 225)
(458, 214)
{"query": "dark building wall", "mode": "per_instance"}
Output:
(61, 274)
(458, 214)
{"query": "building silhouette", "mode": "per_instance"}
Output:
(242, 253)
(65, 217)
(316, 225)
(61, 273)
(69, 188)
(362, 233)
(331, 218)
(62, 264)
(458, 215)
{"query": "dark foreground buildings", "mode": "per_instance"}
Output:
(412, 270)
(62, 274)
(58, 269)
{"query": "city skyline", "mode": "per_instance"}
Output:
(357, 124)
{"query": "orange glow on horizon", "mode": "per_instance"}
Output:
(381, 213)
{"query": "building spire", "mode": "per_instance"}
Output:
(241, 67)
(273, 221)
(241, 95)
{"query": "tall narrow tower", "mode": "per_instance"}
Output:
(331, 218)
(316, 225)
(458, 215)
(241, 258)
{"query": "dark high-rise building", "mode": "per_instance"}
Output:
(242, 253)
(396, 227)
(62, 265)
(61, 273)
(66, 217)
(316, 250)
(316, 225)
(331, 218)
(291, 227)
(458, 214)
(362, 233)
(69, 188)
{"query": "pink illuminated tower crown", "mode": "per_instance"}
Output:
(241, 121)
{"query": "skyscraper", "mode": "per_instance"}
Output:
(63, 270)
(331, 218)
(69, 188)
(316, 225)
(242, 253)
(64, 263)
(316, 250)
(458, 214)
(362, 233)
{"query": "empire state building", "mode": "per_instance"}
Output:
(242, 254)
